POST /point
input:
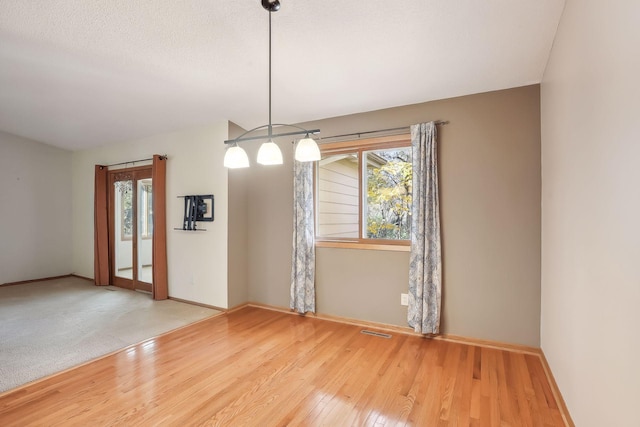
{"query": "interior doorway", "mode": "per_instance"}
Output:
(131, 228)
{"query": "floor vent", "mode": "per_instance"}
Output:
(375, 334)
(109, 289)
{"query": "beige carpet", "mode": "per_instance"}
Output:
(49, 326)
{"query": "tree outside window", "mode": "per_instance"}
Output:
(388, 202)
(125, 191)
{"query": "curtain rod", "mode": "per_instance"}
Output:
(405, 128)
(136, 161)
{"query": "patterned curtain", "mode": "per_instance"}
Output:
(303, 263)
(425, 266)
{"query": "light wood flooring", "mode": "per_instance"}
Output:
(259, 367)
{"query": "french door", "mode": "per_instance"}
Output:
(131, 228)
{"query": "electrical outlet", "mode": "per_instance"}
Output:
(404, 299)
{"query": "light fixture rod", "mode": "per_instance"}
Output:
(277, 135)
(270, 126)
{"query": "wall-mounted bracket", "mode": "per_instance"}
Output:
(196, 208)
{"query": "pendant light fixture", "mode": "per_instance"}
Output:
(236, 157)
(269, 153)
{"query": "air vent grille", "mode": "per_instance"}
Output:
(375, 334)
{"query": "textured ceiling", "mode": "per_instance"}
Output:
(83, 73)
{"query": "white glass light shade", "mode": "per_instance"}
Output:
(269, 154)
(307, 150)
(235, 158)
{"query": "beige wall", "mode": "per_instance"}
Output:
(591, 210)
(197, 261)
(490, 196)
(35, 210)
(237, 246)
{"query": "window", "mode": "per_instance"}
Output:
(124, 202)
(363, 192)
(145, 193)
(124, 191)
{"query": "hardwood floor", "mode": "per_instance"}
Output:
(259, 367)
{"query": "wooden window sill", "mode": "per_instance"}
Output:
(365, 246)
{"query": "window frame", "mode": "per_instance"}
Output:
(358, 147)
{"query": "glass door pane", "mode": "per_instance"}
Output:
(123, 228)
(145, 230)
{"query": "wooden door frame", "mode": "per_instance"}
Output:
(138, 173)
